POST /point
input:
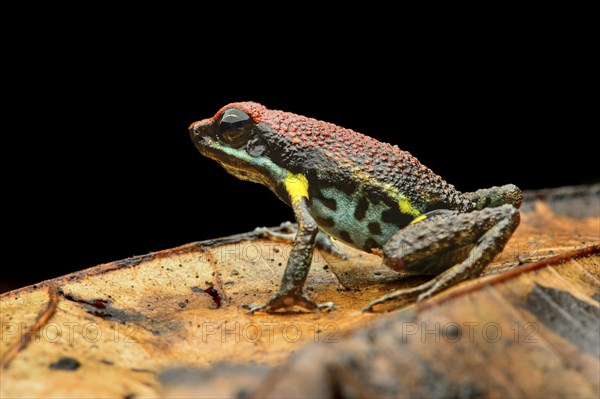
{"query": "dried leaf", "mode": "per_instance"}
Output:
(169, 323)
(531, 332)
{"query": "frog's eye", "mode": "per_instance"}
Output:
(233, 127)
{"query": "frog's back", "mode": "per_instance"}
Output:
(361, 190)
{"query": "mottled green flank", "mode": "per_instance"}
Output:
(365, 193)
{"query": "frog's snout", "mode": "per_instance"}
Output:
(194, 128)
(199, 129)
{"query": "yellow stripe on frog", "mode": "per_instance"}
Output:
(296, 186)
(406, 207)
(418, 219)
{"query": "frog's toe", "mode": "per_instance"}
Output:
(288, 227)
(252, 308)
(425, 295)
(370, 307)
(261, 231)
(405, 294)
(327, 306)
(271, 306)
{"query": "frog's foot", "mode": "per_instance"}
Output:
(286, 302)
(287, 233)
(420, 292)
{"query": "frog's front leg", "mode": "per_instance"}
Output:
(454, 246)
(290, 293)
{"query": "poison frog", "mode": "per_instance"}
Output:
(368, 194)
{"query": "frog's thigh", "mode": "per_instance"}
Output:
(487, 230)
(431, 246)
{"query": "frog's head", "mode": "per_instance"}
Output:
(237, 140)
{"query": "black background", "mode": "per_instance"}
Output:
(106, 169)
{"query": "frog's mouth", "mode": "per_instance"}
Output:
(237, 162)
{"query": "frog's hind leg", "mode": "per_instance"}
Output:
(431, 246)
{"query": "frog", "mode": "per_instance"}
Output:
(367, 194)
